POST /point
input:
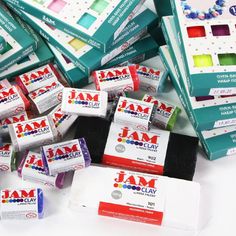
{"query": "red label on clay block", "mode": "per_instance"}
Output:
(133, 196)
(130, 213)
(133, 164)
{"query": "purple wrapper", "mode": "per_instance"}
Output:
(45, 163)
(85, 151)
(60, 179)
(20, 168)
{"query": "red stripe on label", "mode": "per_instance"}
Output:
(132, 164)
(130, 213)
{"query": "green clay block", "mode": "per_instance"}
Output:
(166, 114)
(13, 161)
(227, 59)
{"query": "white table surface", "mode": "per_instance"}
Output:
(218, 198)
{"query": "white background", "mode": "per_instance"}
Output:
(218, 199)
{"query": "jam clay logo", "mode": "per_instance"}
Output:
(65, 152)
(19, 196)
(5, 150)
(59, 117)
(114, 75)
(86, 99)
(140, 139)
(34, 163)
(8, 95)
(148, 73)
(32, 128)
(135, 110)
(161, 108)
(40, 75)
(136, 183)
(11, 120)
(44, 90)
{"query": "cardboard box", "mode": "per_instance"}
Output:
(207, 40)
(206, 112)
(217, 143)
(85, 20)
(83, 55)
(41, 56)
(18, 44)
(140, 51)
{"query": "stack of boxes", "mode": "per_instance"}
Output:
(202, 71)
(87, 36)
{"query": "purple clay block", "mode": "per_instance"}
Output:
(45, 163)
(65, 156)
(220, 30)
(60, 180)
(86, 154)
(40, 203)
(20, 168)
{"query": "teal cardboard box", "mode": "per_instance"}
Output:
(17, 44)
(217, 143)
(207, 112)
(86, 20)
(163, 7)
(41, 56)
(142, 50)
(83, 55)
(206, 33)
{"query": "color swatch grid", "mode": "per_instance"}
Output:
(87, 17)
(209, 43)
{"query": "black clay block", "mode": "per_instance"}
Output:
(181, 156)
(95, 131)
